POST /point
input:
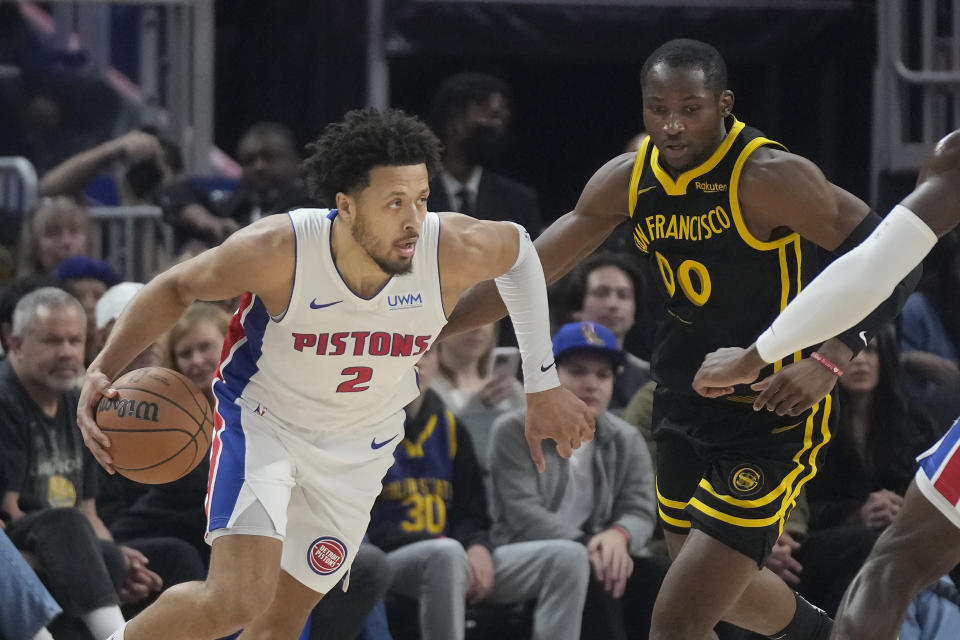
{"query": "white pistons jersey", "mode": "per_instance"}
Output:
(333, 360)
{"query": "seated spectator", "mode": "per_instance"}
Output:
(929, 332)
(26, 607)
(471, 113)
(10, 296)
(56, 230)
(73, 175)
(108, 309)
(471, 387)
(87, 280)
(868, 467)
(879, 434)
(272, 183)
(432, 520)
(605, 290)
(602, 497)
(48, 477)
(149, 170)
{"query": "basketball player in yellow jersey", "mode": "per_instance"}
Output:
(727, 218)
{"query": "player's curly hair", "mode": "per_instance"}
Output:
(684, 53)
(341, 158)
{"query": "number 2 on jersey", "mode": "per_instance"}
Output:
(361, 376)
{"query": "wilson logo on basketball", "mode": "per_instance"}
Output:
(125, 408)
(326, 555)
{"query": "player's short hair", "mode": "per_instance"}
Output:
(461, 90)
(341, 158)
(684, 53)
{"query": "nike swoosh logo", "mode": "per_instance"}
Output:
(548, 367)
(786, 428)
(863, 336)
(315, 305)
(647, 189)
(376, 445)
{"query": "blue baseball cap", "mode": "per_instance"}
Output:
(587, 336)
(86, 267)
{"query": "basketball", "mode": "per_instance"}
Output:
(159, 425)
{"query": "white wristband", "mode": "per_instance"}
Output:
(524, 293)
(850, 288)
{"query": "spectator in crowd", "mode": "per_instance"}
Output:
(268, 154)
(929, 333)
(860, 488)
(26, 607)
(879, 434)
(602, 497)
(48, 477)
(108, 309)
(87, 280)
(471, 113)
(56, 230)
(471, 387)
(10, 296)
(432, 519)
(606, 289)
(71, 177)
(149, 169)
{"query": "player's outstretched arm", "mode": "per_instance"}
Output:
(474, 250)
(566, 242)
(259, 258)
(853, 285)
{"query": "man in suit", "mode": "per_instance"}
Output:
(470, 113)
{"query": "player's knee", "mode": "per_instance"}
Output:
(236, 607)
(676, 623)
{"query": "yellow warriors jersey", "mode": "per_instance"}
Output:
(722, 286)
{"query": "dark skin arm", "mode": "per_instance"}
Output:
(935, 200)
(601, 207)
(778, 190)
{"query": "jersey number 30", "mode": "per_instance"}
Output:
(360, 376)
(698, 293)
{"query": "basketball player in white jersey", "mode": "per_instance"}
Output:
(317, 366)
(923, 542)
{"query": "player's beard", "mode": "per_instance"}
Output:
(368, 243)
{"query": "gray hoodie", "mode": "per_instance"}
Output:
(524, 503)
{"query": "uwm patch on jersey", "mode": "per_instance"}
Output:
(334, 359)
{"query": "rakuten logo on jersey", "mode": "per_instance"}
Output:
(361, 343)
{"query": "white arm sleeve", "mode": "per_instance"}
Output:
(524, 293)
(852, 286)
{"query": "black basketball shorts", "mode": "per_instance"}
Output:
(732, 472)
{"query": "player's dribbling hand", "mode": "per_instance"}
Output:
(724, 368)
(95, 385)
(557, 414)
